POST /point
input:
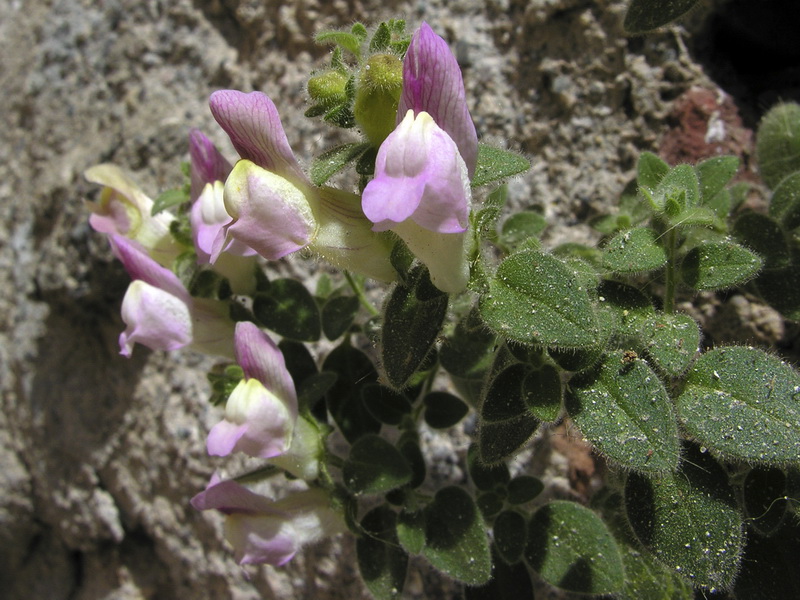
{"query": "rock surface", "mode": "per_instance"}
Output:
(99, 455)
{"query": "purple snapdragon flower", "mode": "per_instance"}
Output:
(125, 210)
(276, 210)
(421, 187)
(268, 531)
(161, 314)
(261, 415)
(208, 217)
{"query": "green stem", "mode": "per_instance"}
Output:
(670, 275)
(360, 295)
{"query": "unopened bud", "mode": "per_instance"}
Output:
(380, 83)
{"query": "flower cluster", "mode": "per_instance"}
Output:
(265, 204)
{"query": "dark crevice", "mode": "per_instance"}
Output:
(751, 50)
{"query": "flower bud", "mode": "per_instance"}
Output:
(380, 83)
(327, 89)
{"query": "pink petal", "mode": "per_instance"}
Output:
(154, 318)
(254, 127)
(419, 174)
(261, 359)
(230, 497)
(270, 214)
(139, 265)
(256, 423)
(208, 218)
(207, 164)
(261, 539)
(432, 82)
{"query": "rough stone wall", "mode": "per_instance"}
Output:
(99, 455)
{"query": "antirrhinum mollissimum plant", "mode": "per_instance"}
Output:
(703, 443)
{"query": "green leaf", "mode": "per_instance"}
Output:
(505, 423)
(629, 308)
(168, 199)
(469, 351)
(313, 388)
(535, 298)
(520, 226)
(495, 164)
(524, 488)
(571, 548)
(329, 163)
(508, 582)
(785, 201)
(745, 404)
(634, 251)
(677, 193)
(381, 38)
(623, 409)
(689, 520)
(411, 531)
(485, 476)
(386, 405)
(354, 370)
(714, 174)
(455, 537)
(348, 41)
(510, 531)
(374, 466)
(650, 171)
(764, 494)
(414, 316)
(764, 236)
(781, 289)
(489, 503)
(408, 444)
(443, 410)
(778, 143)
(381, 560)
(719, 265)
(647, 15)
(289, 310)
(542, 392)
(484, 220)
(672, 341)
(647, 579)
(337, 315)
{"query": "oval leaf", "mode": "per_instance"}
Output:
(718, 265)
(744, 404)
(414, 316)
(689, 520)
(455, 537)
(374, 466)
(443, 410)
(571, 548)
(623, 409)
(288, 309)
(634, 251)
(535, 298)
(381, 559)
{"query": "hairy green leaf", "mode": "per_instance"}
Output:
(743, 403)
(719, 265)
(571, 548)
(778, 143)
(381, 560)
(455, 537)
(634, 251)
(329, 163)
(689, 520)
(374, 466)
(623, 409)
(535, 298)
(288, 309)
(495, 164)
